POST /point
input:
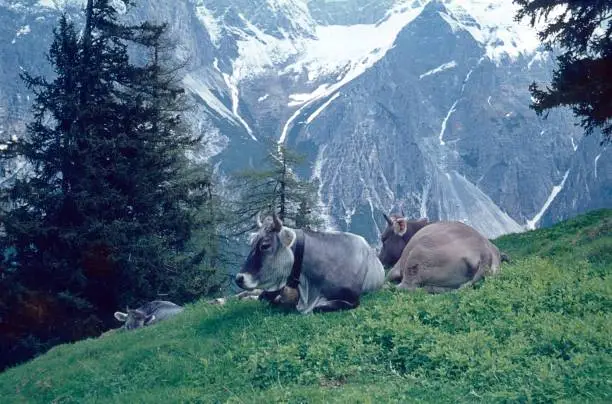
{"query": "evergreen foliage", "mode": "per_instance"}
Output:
(274, 186)
(583, 30)
(110, 210)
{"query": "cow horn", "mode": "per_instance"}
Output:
(387, 219)
(278, 225)
(258, 219)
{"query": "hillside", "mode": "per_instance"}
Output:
(540, 331)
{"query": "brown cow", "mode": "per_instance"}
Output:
(398, 233)
(444, 256)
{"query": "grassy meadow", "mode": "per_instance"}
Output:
(540, 331)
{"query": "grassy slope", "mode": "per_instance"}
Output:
(541, 330)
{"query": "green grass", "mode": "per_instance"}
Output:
(539, 331)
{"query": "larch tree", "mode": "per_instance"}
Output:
(275, 186)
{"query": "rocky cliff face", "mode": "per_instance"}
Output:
(586, 185)
(417, 104)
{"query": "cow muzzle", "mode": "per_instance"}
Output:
(245, 281)
(239, 280)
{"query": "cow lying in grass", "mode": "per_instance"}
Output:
(444, 256)
(148, 314)
(323, 271)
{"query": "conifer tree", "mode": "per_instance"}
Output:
(583, 31)
(107, 213)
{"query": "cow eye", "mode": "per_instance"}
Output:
(265, 246)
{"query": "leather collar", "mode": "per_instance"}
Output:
(298, 254)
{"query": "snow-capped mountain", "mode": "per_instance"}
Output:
(415, 104)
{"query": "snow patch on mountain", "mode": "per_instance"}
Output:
(259, 51)
(235, 96)
(385, 31)
(24, 30)
(200, 85)
(531, 224)
(439, 69)
(63, 4)
(302, 98)
(424, 199)
(336, 47)
(596, 160)
(206, 17)
(321, 108)
(317, 172)
(452, 109)
(328, 50)
(491, 22)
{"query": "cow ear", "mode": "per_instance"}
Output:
(287, 237)
(120, 316)
(149, 319)
(278, 224)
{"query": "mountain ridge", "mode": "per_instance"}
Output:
(444, 82)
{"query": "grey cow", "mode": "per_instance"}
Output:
(336, 267)
(444, 256)
(147, 314)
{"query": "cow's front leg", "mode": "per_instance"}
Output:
(334, 305)
(269, 296)
(343, 299)
(287, 297)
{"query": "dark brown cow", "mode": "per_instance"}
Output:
(398, 233)
(444, 256)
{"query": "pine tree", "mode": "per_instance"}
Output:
(583, 31)
(275, 187)
(108, 212)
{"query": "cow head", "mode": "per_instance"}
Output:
(270, 260)
(134, 318)
(394, 238)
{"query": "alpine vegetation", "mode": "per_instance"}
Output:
(538, 331)
(158, 156)
(104, 214)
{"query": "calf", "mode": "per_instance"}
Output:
(147, 314)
